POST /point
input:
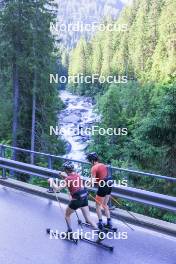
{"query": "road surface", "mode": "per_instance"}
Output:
(25, 217)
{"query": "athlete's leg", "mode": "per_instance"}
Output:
(99, 204)
(107, 211)
(86, 214)
(105, 206)
(68, 213)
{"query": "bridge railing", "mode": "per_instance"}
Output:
(164, 202)
(83, 167)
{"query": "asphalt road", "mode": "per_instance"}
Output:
(23, 240)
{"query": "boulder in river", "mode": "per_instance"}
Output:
(79, 111)
(72, 118)
(68, 147)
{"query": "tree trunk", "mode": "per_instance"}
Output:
(15, 105)
(33, 125)
(33, 117)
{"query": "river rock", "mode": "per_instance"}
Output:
(68, 147)
(77, 139)
(78, 111)
(84, 139)
(72, 118)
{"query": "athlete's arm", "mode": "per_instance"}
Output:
(93, 177)
(59, 186)
(63, 175)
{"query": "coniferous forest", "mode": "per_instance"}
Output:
(142, 57)
(28, 104)
(146, 104)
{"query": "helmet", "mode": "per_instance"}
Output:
(92, 156)
(68, 165)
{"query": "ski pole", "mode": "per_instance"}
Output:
(124, 208)
(57, 198)
(120, 220)
(79, 220)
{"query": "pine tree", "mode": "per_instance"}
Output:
(107, 52)
(27, 54)
(96, 56)
(164, 63)
(79, 65)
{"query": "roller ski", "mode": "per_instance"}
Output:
(105, 228)
(63, 235)
(98, 242)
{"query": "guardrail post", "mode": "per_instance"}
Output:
(32, 156)
(14, 154)
(111, 207)
(50, 189)
(49, 162)
(2, 154)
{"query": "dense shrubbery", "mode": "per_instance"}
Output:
(146, 105)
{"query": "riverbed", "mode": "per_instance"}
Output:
(77, 115)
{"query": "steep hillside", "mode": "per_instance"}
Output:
(77, 12)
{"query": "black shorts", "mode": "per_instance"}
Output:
(103, 191)
(76, 204)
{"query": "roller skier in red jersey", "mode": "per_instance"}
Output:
(99, 173)
(79, 195)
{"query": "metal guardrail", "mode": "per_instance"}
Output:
(50, 158)
(136, 195)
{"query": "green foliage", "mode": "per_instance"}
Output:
(39, 182)
(146, 210)
(164, 63)
(169, 217)
(145, 51)
(26, 42)
(146, 105)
